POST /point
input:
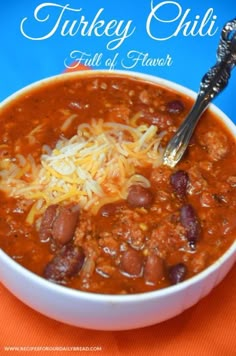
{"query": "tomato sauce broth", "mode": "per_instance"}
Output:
(157, 236)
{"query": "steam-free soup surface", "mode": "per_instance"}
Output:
(85, 199)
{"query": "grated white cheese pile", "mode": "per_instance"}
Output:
(94, 167)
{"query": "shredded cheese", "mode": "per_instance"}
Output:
(94, 167)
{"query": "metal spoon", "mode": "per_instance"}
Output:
(213, 83)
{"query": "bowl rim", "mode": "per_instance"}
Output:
(118, 298)
(166, 83)
(126, 298)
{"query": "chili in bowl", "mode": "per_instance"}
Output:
(94, 230)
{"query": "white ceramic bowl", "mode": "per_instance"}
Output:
(114, 312)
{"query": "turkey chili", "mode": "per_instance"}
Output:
(85, 199)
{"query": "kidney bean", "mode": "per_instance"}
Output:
(179, 181)
(139, 196)
(153, 270)
(189, 220)
(65, 264)
(59, 223)
(65, 223)
(132, 263)
(177, 273)
(175, 107)
(110, 209)
(45, 229)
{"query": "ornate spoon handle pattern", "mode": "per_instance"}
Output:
(213, 83)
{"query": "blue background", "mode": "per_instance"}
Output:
(23, 61)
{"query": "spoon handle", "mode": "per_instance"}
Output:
(212, 84)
